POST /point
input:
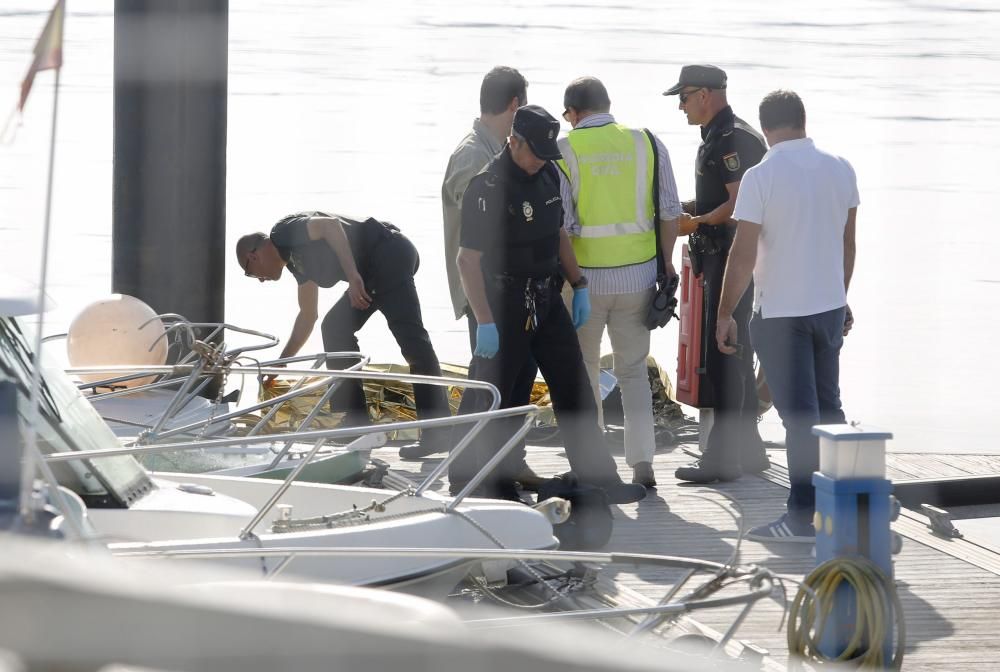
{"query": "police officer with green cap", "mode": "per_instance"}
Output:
(513, 258)
(729, 146)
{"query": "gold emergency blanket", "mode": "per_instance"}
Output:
(391, 401)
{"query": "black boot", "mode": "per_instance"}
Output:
(431, 441)
(620, 492)
(755, 464)
(709, 471)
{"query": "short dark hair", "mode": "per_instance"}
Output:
(587, 93)
(782, 109)
(501, 85)
(248, 244)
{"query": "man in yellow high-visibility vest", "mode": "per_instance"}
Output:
(612, 199)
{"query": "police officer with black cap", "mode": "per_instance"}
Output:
(728, 148)
(513, 258)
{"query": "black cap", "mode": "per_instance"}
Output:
(540, 129)
(706, 76)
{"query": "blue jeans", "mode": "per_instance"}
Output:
(801, 359)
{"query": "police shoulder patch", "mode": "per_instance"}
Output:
(732, 161)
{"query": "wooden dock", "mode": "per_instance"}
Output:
(950, 589)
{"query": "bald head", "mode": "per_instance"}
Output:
(248, 244)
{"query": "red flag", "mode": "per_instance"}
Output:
(48, 50)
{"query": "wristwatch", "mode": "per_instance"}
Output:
(580, 283)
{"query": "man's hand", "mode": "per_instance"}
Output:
(268, 381)
(848, 320)
(726, 335)
(686, 224)
(581, 307)
(487, 341)
(357, 293)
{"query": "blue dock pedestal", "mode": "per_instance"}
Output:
(854, 509)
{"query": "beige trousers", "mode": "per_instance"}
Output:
(623, 316)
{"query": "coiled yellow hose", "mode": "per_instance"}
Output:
(877, 604)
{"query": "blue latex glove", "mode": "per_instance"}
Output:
(581, 306)
(488, 340)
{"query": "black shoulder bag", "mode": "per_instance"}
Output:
(664, 302)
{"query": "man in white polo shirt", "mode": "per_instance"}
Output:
(796, 211)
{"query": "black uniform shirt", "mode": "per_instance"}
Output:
(728, 147)
(513, 218)
(314, 259)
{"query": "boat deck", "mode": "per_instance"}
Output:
(950, 589)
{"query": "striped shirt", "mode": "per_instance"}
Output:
(635, 277)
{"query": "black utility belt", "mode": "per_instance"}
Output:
(527, 282)
(700, 243)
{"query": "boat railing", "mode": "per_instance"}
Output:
(328, 378)
(187, 376)
(319, 437)
(178, 327)
(205, 362)
(210, 360)
(759, 580)
(213, 356)
(177, 323)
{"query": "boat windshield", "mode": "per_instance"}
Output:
(69, 422)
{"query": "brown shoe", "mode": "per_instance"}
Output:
(642, 473)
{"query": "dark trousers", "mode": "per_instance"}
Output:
(801, 356)
(522, 386)
(734, 437)
(553, 346)
(389, 281)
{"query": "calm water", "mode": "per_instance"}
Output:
(354, 107)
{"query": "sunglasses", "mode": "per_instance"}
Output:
(685, 94)
(566, 113)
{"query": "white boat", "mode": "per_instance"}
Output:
(132, 510)
(64, 608)
(160, 524)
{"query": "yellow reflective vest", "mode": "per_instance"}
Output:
(610, 168)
